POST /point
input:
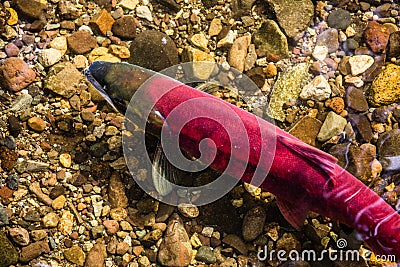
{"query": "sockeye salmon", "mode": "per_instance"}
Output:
(301, 177)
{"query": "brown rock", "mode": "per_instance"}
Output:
(362, 125)
(37, 124)
(75, 255)
(122, 248)
(81, 42)
(19, 236)
(95, 257)
(394, 44)
(253, 223)
(112, 226)
(238, 52)
(116, 192)
(235, 242)
(306, 129)
(102, 22)
(34, 250)
(31, 9)
(376, 36)
(125, 27)
(15, 74)
(8, 158)
(175, 249)
(355, 99)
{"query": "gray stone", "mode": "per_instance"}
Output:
(332, 126)
(330, 39)
(292, 15)
(206, 255)
(339, 19)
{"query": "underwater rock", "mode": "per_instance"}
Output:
(270, 41)
(292, 16)
(287, 87)
(159, 45)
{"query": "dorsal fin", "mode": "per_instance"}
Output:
(323, 160)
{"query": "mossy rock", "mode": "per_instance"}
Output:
(8, 253)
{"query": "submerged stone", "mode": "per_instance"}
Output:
(287, 87)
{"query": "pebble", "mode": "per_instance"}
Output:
(330, 39)
(159, 45)
(95, 257)
(65, 160)
(49, 57)
(339, 19)
(14, 126)
(102, 54)
(125, 27)
(293, 17)
(66, 222)
(144, 12)
(11, 50)
(215, 27)
(129, 4)
(320, 52)
(362, 126)
(253, 223)
(8, 158)
(30, 10)
(102, 22)
(175, 248)
(235, 242)
(59, 202)
(34, 250)
(38, 235)
(12, 181)
(360, 63)
(8, 252)
(22, 102)
(269, 40)
(112, 226)
(199, 40)
(206, 255)
(188, 210)
(332, 126)
(15, 74)
(63, 79)
(50, 220)
(228, 38)
(306, 129)
(75, 255)
(385, 88)
(388, 147)
(81, 42)
(394, 44)
(116, 192)
(238, 52)
(376, 36)
(19, 236)
(318, 89)
(199, 71)
(37, 124)
(355, 99)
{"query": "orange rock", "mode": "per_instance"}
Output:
(102, 22)
(376, 36)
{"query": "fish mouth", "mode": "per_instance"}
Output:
(96, 74)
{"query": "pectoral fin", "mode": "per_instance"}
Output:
(295, 214)
(163, 173)
(323, 160)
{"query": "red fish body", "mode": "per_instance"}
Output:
(301, 177)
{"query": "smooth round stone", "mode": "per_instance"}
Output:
(339, 19)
